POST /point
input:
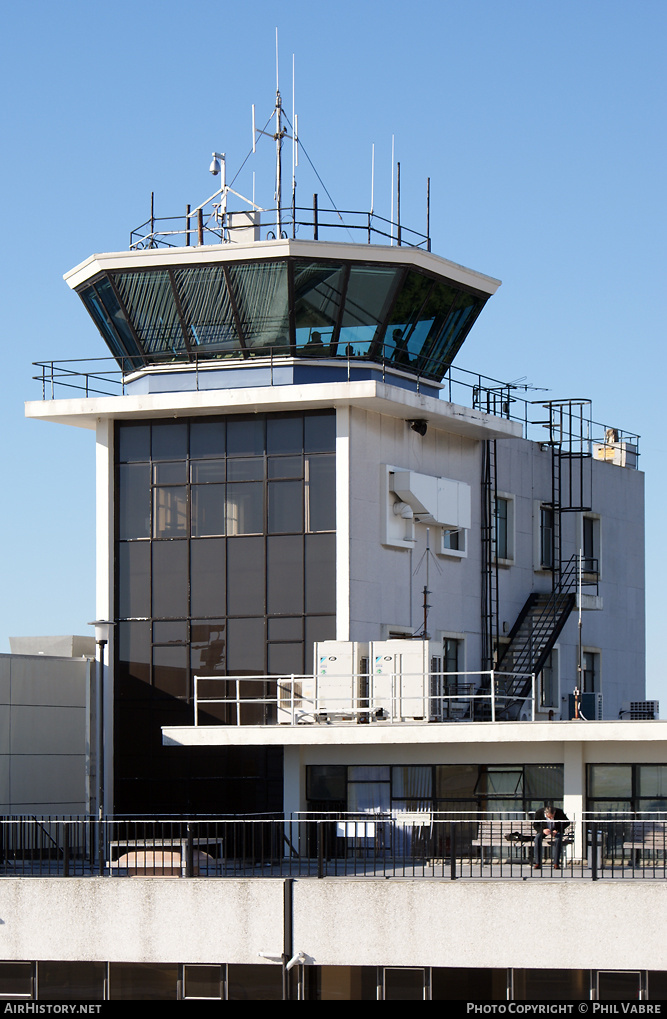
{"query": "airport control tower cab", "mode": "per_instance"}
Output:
(232, 294)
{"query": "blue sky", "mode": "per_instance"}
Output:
(541, 126)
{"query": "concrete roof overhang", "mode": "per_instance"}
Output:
(379, 397)
(418, 734)
(156, 258)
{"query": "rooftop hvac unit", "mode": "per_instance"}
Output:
(644, 710)
(339, 688)
(590, 706)
(400, 680)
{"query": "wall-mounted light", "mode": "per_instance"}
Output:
(419, 426)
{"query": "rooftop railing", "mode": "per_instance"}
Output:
(567, 423)
(420, 842)
(357, 698)
(208, 224)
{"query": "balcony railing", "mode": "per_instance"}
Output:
(420, 842)
(359, 698)
(566, 423)
(209, 225)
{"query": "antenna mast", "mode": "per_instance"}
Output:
(280, 133)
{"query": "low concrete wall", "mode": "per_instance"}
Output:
(566, 924)
(338, 921)
(140, 919)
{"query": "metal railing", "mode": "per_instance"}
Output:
(420, 842)
(354, 698)
(459, 386)
(209, 225)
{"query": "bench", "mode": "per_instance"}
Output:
(162, 857)
(511, 833)
(647, 836)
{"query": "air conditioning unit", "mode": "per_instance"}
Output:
(590, 706)
(400, 681)
(649, 710)
(339, 688)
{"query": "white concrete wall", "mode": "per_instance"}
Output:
(618, 629)
(535, 924)
(385, 591)
(339, 921)
(45, 741)
(386, 583)
(140, 919)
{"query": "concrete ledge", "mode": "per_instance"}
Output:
(540, 923)
(416, 733)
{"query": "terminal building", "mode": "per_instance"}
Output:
(340, 578)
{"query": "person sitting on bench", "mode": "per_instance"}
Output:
(550, 823)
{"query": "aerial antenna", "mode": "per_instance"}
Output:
(426, 605)
(280, 132)
(293, 156)
(426, 587)
(372, 175)
(428, 212)
(391, 218)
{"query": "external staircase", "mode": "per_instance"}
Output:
(533, 636)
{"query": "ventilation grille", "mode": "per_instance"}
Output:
(644, 710)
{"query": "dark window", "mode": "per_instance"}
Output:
(254, 983)
(71, 981)
(137, 981)
(623, 788)
(134, 501)
(591, 672)
(203, 981)
(16, 980)
(546, 537)
(225, 564)
(502, 529)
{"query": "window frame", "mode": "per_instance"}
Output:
(510, 529)
(591, 555)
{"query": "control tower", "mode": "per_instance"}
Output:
(284, 452)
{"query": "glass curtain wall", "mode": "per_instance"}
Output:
(225, 567)
(309, 308)
(451, 788)
(639, 789)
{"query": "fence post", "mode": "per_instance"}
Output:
(65, 849)
(320, 850)
(189, 852)
(594, 852)
(100, 848)
(452, 850)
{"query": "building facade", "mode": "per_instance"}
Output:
(294, 488)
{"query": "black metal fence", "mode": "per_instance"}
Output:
(419, 843)
(208, 225)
